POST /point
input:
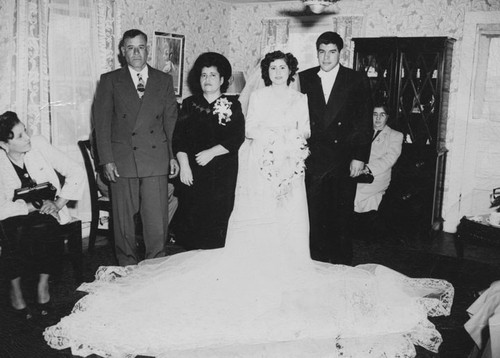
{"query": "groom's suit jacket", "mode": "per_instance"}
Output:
(341, 129)
(135, 134)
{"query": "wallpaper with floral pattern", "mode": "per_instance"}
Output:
(205, 25)
(381, 18)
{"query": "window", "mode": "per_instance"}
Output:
(71, 67)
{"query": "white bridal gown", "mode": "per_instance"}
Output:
(261, 295)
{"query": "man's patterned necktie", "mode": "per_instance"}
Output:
(140, 86)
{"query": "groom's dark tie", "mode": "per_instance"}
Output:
(375, 134)
(140, 86)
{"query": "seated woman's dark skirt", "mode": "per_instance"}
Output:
(30, 242)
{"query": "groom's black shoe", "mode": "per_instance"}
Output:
(319, 255)
(343, 252)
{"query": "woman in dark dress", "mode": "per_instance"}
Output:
(206, 140)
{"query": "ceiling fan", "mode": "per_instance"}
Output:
(313, 7)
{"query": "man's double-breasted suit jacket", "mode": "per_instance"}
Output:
(134, 133)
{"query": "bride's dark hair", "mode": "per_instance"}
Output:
(289, 59)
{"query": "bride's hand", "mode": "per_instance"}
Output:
(204, 157)
(186, 176)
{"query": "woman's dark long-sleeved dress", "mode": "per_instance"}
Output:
(204, 208)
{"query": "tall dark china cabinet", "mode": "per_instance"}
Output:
(412, 76)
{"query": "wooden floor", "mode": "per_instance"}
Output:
(416, 256)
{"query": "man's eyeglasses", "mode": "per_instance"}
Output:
(381, 115)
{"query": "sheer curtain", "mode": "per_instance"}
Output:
(75, 61)
(53, 52)
(23, 75)
(81, 42)
(274, 35)
(348, 27)
(7, 64)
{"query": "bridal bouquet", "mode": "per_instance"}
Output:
(222, 108)
(283, 159)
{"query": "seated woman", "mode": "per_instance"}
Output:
(385, 151)
(30, 231)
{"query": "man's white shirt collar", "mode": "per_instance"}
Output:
(327, 80)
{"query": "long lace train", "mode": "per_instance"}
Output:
(200, 304)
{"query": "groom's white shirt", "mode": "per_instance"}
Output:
(327, 80)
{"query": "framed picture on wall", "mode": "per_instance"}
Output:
(168, 56)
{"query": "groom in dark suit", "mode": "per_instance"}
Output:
(340, 115)
(135, 111)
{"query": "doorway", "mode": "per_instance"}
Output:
(475, 152)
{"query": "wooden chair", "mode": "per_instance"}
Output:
(98, 202)
(72, 235)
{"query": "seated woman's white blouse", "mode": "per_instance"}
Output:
(42, 162)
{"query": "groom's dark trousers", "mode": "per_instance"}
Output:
(341, 131)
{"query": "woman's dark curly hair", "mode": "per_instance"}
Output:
(8, 120)
(289, 59)
(209, 59)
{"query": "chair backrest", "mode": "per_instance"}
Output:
(86, 150)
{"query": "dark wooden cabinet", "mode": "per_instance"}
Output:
(412, 76)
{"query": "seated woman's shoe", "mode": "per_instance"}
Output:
(23, 313)
(44, 308)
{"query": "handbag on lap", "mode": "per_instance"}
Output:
(36, 194)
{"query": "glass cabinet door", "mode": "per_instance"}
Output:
(411, 75)
(418, 98)
(379, 64)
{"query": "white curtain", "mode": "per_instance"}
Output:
(7, 55)
(274, 35)
(348, 27)
(76, 58)
(23, 72)
(53, 52)
(81, 43)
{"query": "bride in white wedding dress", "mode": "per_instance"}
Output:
(261, 295)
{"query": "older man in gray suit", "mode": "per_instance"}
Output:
(135, 115)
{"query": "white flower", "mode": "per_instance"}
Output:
(222, 108)
(282, 160)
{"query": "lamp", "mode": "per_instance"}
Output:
(236, 83)
(318, 6)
